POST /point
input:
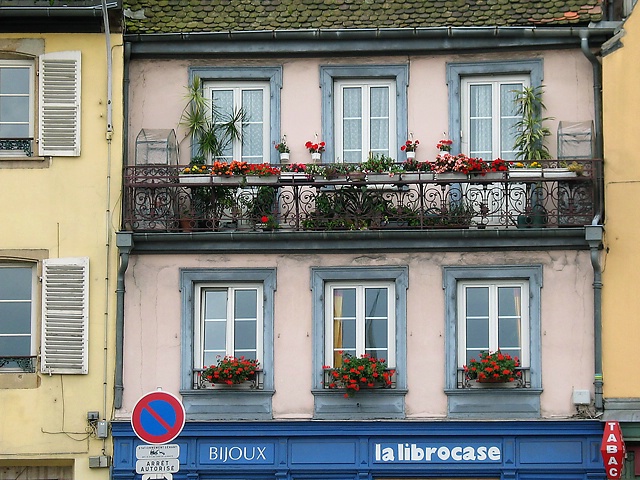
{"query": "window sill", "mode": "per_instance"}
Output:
(227, 404)
(11, 379)
(481, 403)
(366, 404)
(16, 161)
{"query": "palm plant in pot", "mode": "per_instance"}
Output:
(530, 129)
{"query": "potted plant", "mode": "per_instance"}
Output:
(530, 131)
(496, 367)
(414, 170)
(231, 370)
(293, 172)
(355, 373)
(283, 149)
(210, 130)
(260, 173)
(315, 149)
(410, 147)
(451, 167)
(525, 169)
(444, 145)
(381, 168)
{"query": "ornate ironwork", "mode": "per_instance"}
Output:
(327, 380)
(522, 381)
(24, 144)
(254, 383)
(156, 198)
(26, 364)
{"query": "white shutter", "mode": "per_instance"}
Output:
(65, 315)
(59, 101)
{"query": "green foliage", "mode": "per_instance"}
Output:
(531, 132)
(231, 370)
(380, 163)
(496, 367)
(210, 131)
(354, 373)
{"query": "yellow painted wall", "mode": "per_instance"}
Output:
(621, 277)
(68, 207)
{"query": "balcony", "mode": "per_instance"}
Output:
(161, 199)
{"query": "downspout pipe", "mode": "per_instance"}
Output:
(595, 232)
(124, 242)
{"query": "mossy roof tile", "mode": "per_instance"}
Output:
(167, 16)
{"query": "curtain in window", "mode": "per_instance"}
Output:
(480, 121)
(253, 128)
(379, 121)
(352, 124)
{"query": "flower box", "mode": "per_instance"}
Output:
(451, 176)
(418, 176)
(558, 173)
(294, 177)
(227, 179)
(383, 177)
(194, 179)
(525, 173)
(261, 179)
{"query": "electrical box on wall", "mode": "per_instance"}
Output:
(102, 461)
(581, 397)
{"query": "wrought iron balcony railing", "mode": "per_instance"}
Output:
(161, 199)
(256, 382)
(522, 381)
(24, 364)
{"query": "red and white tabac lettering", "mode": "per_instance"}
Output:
(613, 450)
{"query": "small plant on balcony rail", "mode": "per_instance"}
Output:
(231, 370)
(451, 163)
(444, 145)
(380, 163)
(294, 167)
(410, 145)
(533, 164)
(493, 367)
(317, 147)
(498, 165)
(262, 170)
(269, 222)
(232, 168)
(412, 165)
(282, 147)
(196, 169)
(355, 373)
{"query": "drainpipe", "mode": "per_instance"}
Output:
(124, 242)
(594, 232)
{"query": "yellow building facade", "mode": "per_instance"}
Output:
(621, 275)
(60, 172)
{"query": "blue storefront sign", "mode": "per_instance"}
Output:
(370, 450)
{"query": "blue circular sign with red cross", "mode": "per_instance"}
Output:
(158, 417)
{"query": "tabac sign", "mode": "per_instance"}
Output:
(613, 451)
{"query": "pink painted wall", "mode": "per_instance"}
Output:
(158, 88)
(152, 324)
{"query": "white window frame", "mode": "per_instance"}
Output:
(360, 288)
(493, 287)
(238, 88)
(495, 81)
(30, 64)
(31, 301)
(198, 353)
(366, 85)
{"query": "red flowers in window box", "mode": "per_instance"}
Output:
(359, 372)
(493, 367)
(231, 370)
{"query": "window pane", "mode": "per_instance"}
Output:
(14, 131)
(376, 302)
(245, 335)
(509, 301)
(223, 108)
(509, 333)
(477, 302)
(246, 304)
(352, 103)
(478, 334)
(15, 346)
(379, 122)
(344, 320)
(508, 118)
(14, 81)
(480, 111)
(15, 283)
(14, 109)
(344, 302)
(15, 317)
(376, 337)
(215, 304)
(352, 124)
(215, 333)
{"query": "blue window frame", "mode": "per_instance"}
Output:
(385, 403)
(489, 402)
(239, 404)
(267, 83)
(374, 80)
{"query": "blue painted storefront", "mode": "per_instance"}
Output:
(287, 450)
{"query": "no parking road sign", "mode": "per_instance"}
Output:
(158, 417)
